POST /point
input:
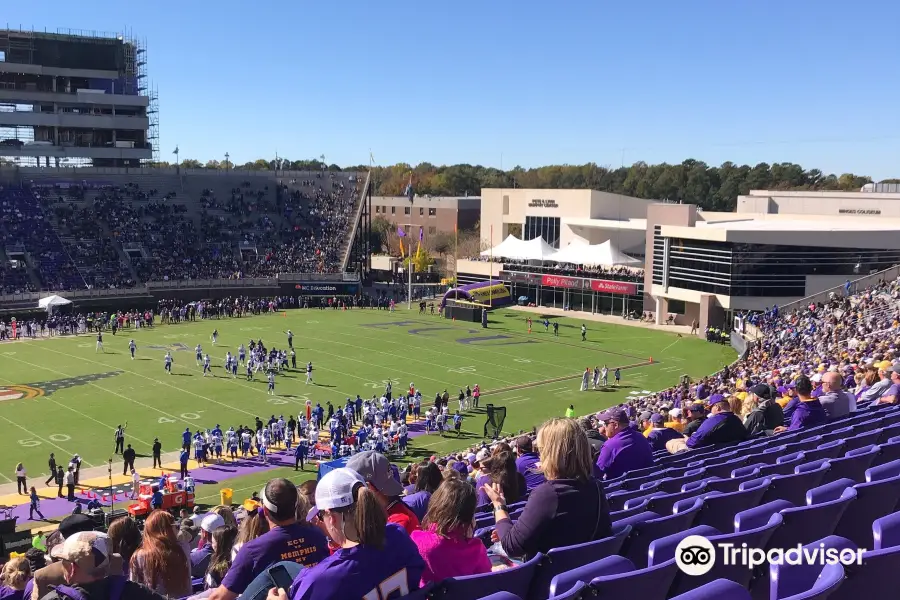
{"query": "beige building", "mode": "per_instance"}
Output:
(564, 216)
(778, 247)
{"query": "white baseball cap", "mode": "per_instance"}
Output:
(211, 522)
(335, 489)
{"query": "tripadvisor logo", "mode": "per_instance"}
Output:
(695, 555)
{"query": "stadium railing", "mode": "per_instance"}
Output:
(356, 219)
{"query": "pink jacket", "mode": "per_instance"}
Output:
(451, 556)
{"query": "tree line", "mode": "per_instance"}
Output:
(692, 181)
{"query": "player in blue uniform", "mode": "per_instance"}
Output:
(215, 336)
(99, 347)
(457, 423)
(309, 370)
(242, 354)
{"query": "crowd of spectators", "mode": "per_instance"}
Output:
(614, 273)
(73, 232)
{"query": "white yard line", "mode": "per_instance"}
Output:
(113, 392)
(36, 436)
(78, 412)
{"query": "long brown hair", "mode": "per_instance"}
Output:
(451, 508)
(124, 538)
(501, 468)
(161, 553)
(253, 526)
(222, 543)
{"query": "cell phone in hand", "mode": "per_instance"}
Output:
(281, 577)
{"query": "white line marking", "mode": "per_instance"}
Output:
(34, 435)
(670, 345)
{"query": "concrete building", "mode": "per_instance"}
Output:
(68, 99)
(436, 214)
(778, 247)
(563, 216)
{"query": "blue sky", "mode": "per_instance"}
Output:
(527, 83)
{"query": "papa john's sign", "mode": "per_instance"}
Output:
(596, 285)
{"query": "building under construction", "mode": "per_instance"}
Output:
(75, 98)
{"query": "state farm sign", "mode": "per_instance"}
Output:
(613, 287)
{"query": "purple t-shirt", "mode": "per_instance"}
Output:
(7, 593)
(302, 544)
(364, 571)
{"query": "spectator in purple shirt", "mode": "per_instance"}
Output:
(428, 479)
(375, 559)
(626, 448)
(568, 508)
(809, 411)
(527, 462)
(287, 541)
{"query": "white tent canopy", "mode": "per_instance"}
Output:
(50, 301)
(605, 254)
(516, 249)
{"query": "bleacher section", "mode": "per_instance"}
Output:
(108, 228)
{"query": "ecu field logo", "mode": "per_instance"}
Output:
(30, 391)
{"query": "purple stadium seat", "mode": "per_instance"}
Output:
(888, 431)
(839, 434)
(814, 521)
(720, 589)
(831, 449)
(877, 497)
(576, 593)
(643, 533)
(515, 580)
(635, 483)
(886, 532)
(619, 500)
(852, 465)
(611, 565)
(618, 515)
(733, 483)
(500, 596)
(784, 465)
(862, 439)
(874, 578)
(865, 426)
(664, 549)
(793, 487)
(890, 451)
(651, 583)
(805, 444)
(804, 582)
(671, 485)
(717, 509)
(559, 560)
(664, 504)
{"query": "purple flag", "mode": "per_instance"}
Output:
(401, 232)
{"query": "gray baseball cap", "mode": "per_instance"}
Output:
(375, 468)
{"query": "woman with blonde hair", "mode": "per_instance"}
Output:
(14, 577)
(227, 515)
(160, 563)
(568, 508)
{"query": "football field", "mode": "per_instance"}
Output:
(60, 395)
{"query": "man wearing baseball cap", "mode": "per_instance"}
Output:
(766, 414)
(200, 556)
(695, 415)
(722, 427)
(376, 470)
(660, 434)
(626, 449)
(54, 573)
(84, 557)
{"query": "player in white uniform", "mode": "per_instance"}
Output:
(132, 347)
(271, 390)
(198, 351)
(206, 368)
(169, 362)
(309, 370)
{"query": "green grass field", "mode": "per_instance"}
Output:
(72, 398)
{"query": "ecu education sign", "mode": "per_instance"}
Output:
(321, 288)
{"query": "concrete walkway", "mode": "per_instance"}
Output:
(597, 317)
